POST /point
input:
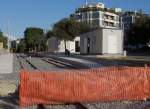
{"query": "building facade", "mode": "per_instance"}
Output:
(57, 46)
(128, 18)
(107, 39)
(98, 16)
(102, 41)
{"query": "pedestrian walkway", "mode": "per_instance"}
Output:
(6, 63)
(85, 62)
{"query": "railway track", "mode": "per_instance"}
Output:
(21, 57)
(58, 63)
(55, 62)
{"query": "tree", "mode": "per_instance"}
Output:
(85, 27)
(49, 34)
(21, 46)
(3, 39)
(34, 38)
(67, 29)
(1, 36)
(139, 33)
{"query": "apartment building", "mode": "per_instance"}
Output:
(97, 15)
(107, 39)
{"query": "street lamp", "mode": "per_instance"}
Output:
(8, 39)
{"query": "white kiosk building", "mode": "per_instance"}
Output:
(102, 41)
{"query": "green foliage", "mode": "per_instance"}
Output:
(85, 27)
(21, 48)
(65, 29)
(3, 39)
(68, 28)
(34, 38)
(49, 34)
(1, 36)
(140, 31)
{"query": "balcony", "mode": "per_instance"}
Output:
(88, 9)
(109, 17)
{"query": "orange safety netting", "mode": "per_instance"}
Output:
(84, 86)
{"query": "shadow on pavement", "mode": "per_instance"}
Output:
(10, 102)
(4, 106)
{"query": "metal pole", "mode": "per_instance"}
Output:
(86, 2)
(8, 41)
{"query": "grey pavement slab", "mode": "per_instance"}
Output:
(6, 63)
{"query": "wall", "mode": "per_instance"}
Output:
(112, 33)
(55, 45)
(95, 42)
(71, 45)
(99, 41)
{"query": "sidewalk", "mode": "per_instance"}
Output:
(116, 57)
(6, 63)
(101, 61)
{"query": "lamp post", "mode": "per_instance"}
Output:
(8, 39)
(86, 2)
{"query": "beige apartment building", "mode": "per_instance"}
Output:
(98, 15)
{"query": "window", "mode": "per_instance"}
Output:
(85, 16)
(78, 17)
(127, 19)
(88, 45)
(95, 15)
(105, 23)
(103, 16)
(117, 18)
(109, 17)
(95, 23)
(77, 46)
(117, 24)
(111, 24)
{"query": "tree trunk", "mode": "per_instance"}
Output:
(65, 45)
(35, 48)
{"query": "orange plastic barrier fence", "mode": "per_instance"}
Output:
(82, 86)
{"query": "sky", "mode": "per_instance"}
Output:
(17, 15)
